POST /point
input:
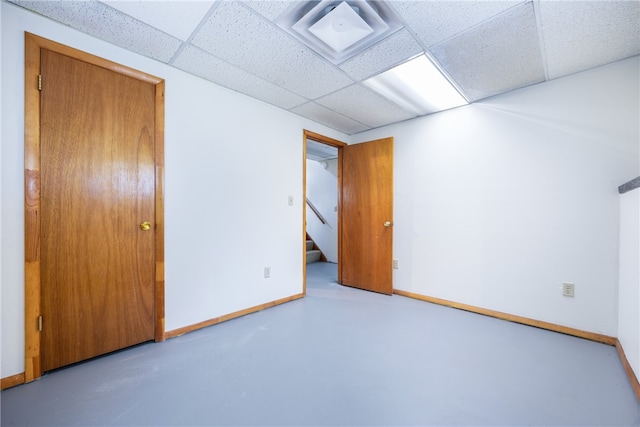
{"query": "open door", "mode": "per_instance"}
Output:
(366, 216)
(365, 213)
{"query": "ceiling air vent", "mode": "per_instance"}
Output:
(338, 30)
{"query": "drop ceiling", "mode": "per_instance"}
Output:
(320, 152)
(484, 47)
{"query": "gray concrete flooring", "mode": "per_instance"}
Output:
(340, 357)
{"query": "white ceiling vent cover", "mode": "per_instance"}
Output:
(338, 30)
(341, 27)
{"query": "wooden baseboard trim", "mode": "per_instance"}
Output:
(605, 339)
(627, 368)
(220, 319)
(12, 381)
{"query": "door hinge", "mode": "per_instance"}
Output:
(39, 323)
(39, 81)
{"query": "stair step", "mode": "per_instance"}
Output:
(313, 256)
(309, 245)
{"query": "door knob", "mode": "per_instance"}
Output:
(388, 223)
(145, 226)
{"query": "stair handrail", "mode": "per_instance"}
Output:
(628, 186)
(316, 211)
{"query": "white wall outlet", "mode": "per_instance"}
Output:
(267, 272)
(569, 289)
(290, 200)
(395, 264)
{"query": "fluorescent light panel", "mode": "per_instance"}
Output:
(418, 86)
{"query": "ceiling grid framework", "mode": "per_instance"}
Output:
(485, 47)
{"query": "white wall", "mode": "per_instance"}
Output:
(500, 202)
(629, 284)
(1, 203)
(629, 292)
(227, 185)
(322, 191)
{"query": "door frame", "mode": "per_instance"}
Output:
(32, 284)
(307, 134)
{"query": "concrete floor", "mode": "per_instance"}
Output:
(341, 357)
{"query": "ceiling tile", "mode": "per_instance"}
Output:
(582, 35)
(486, 46)
(178, 19)
(324, 116)
(266, 51)
(497, 56)
(195, 61)
(435, 21)
(270, 9)
(319, 151)
(364, 106)
(99, 20)
(382, 56)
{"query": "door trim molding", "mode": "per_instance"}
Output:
(33, 46)
(307, 134)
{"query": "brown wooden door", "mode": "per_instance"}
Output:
(97, 187)
(366, 216)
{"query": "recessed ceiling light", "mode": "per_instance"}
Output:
(418, 86)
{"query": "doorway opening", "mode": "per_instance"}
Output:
(364, 211)
(321, 169)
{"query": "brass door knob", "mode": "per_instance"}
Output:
(388, 223)
(145, 226)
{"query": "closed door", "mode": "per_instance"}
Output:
(97, 210)
(366, 216)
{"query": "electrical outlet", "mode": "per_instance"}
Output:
(568, 289)
(290, 200)
(267, 272)
(395, 264)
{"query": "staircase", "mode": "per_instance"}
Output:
(313, 253)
